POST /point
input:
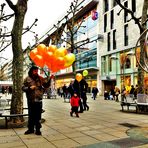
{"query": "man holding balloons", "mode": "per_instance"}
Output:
(34, 86)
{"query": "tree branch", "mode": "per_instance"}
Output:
(13, 7)
(5, 47)
(6, 17)
(29, 28)
(131, 13)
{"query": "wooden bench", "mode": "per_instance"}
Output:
(6, 116)
(128, 101)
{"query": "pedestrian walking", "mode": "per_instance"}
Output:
(136, 92)
(132, 91)
(94, 92)
(123, 94)
(64, 92)
(81, 89)
(74, 101)
(117, 92)
(34, 86)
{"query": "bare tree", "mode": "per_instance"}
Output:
(15, 38)
(141, 23)
(70, 26)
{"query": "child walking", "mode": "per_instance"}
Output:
(74, 101)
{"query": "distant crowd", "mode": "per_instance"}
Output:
(114, 93)
(6, 90)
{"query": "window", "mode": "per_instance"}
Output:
(126, 35)
(108, 41)
(105, 22)
(128, 63)
(109, 63)
(106, 6)
(133, 5)
(112, 19)
(114, 39)
(125, 12)
(103, 62)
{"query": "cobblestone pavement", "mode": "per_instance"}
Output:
(103, 126)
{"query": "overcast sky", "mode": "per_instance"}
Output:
(48, 12)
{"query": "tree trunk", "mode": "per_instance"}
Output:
(17, 63)
(142, 41)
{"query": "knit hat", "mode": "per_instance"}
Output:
(31, 70)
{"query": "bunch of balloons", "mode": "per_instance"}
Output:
(79, 75)
(51, 56)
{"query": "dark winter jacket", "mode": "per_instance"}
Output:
(95, 90)
(37, 93)
(80, 87)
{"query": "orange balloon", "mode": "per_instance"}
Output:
(48, 57)
(52, 48)
(60, 62)
(39, 61)
(33, 53)
(54, 67)
(48, 65)
(41, 48)
(78, 77)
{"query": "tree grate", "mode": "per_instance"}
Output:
(127, 142)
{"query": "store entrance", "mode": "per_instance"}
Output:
(108, 85)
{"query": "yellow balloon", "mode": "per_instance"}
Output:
(78, 77)
(61, 52)
(69, 59)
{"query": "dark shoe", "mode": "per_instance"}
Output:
(38, 133)
(87, 108)
(28, 132)
(71, 114)
(77, 115)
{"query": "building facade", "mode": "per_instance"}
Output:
(118, 63)
(110, 61)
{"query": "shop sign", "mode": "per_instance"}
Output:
(94, 15)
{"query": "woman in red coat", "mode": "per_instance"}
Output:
(74, 101)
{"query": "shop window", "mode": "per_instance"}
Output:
(103, 63)
(110, 64)
(128, 63)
